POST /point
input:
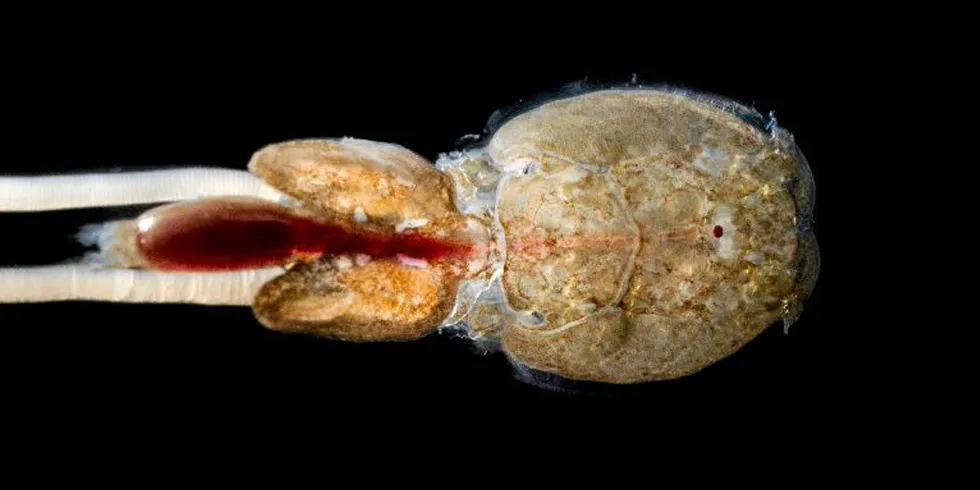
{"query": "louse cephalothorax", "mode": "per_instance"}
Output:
(618, 235)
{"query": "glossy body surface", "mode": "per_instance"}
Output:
(617, 236)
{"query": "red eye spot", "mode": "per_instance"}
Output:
(718, 231)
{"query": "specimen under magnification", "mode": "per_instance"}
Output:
(617, 235)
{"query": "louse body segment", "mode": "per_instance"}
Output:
(622, 236)
(616, 236)
(647, 233)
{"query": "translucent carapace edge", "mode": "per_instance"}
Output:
(500, 117)
(483, 309)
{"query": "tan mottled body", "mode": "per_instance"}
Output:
(593, 217)
(624, 189)
(354, 298)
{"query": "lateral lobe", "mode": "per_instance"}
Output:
(245, 233)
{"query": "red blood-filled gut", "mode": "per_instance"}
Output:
(244, 233)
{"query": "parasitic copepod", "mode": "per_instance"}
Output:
(619, 235)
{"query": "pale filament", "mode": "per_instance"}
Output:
(89, 282)
(53, 192)
(79, 282)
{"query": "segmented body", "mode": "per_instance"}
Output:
(647, 234)
(618, 236)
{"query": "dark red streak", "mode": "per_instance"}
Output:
(233, 234)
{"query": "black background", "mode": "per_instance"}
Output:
(115, 362)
